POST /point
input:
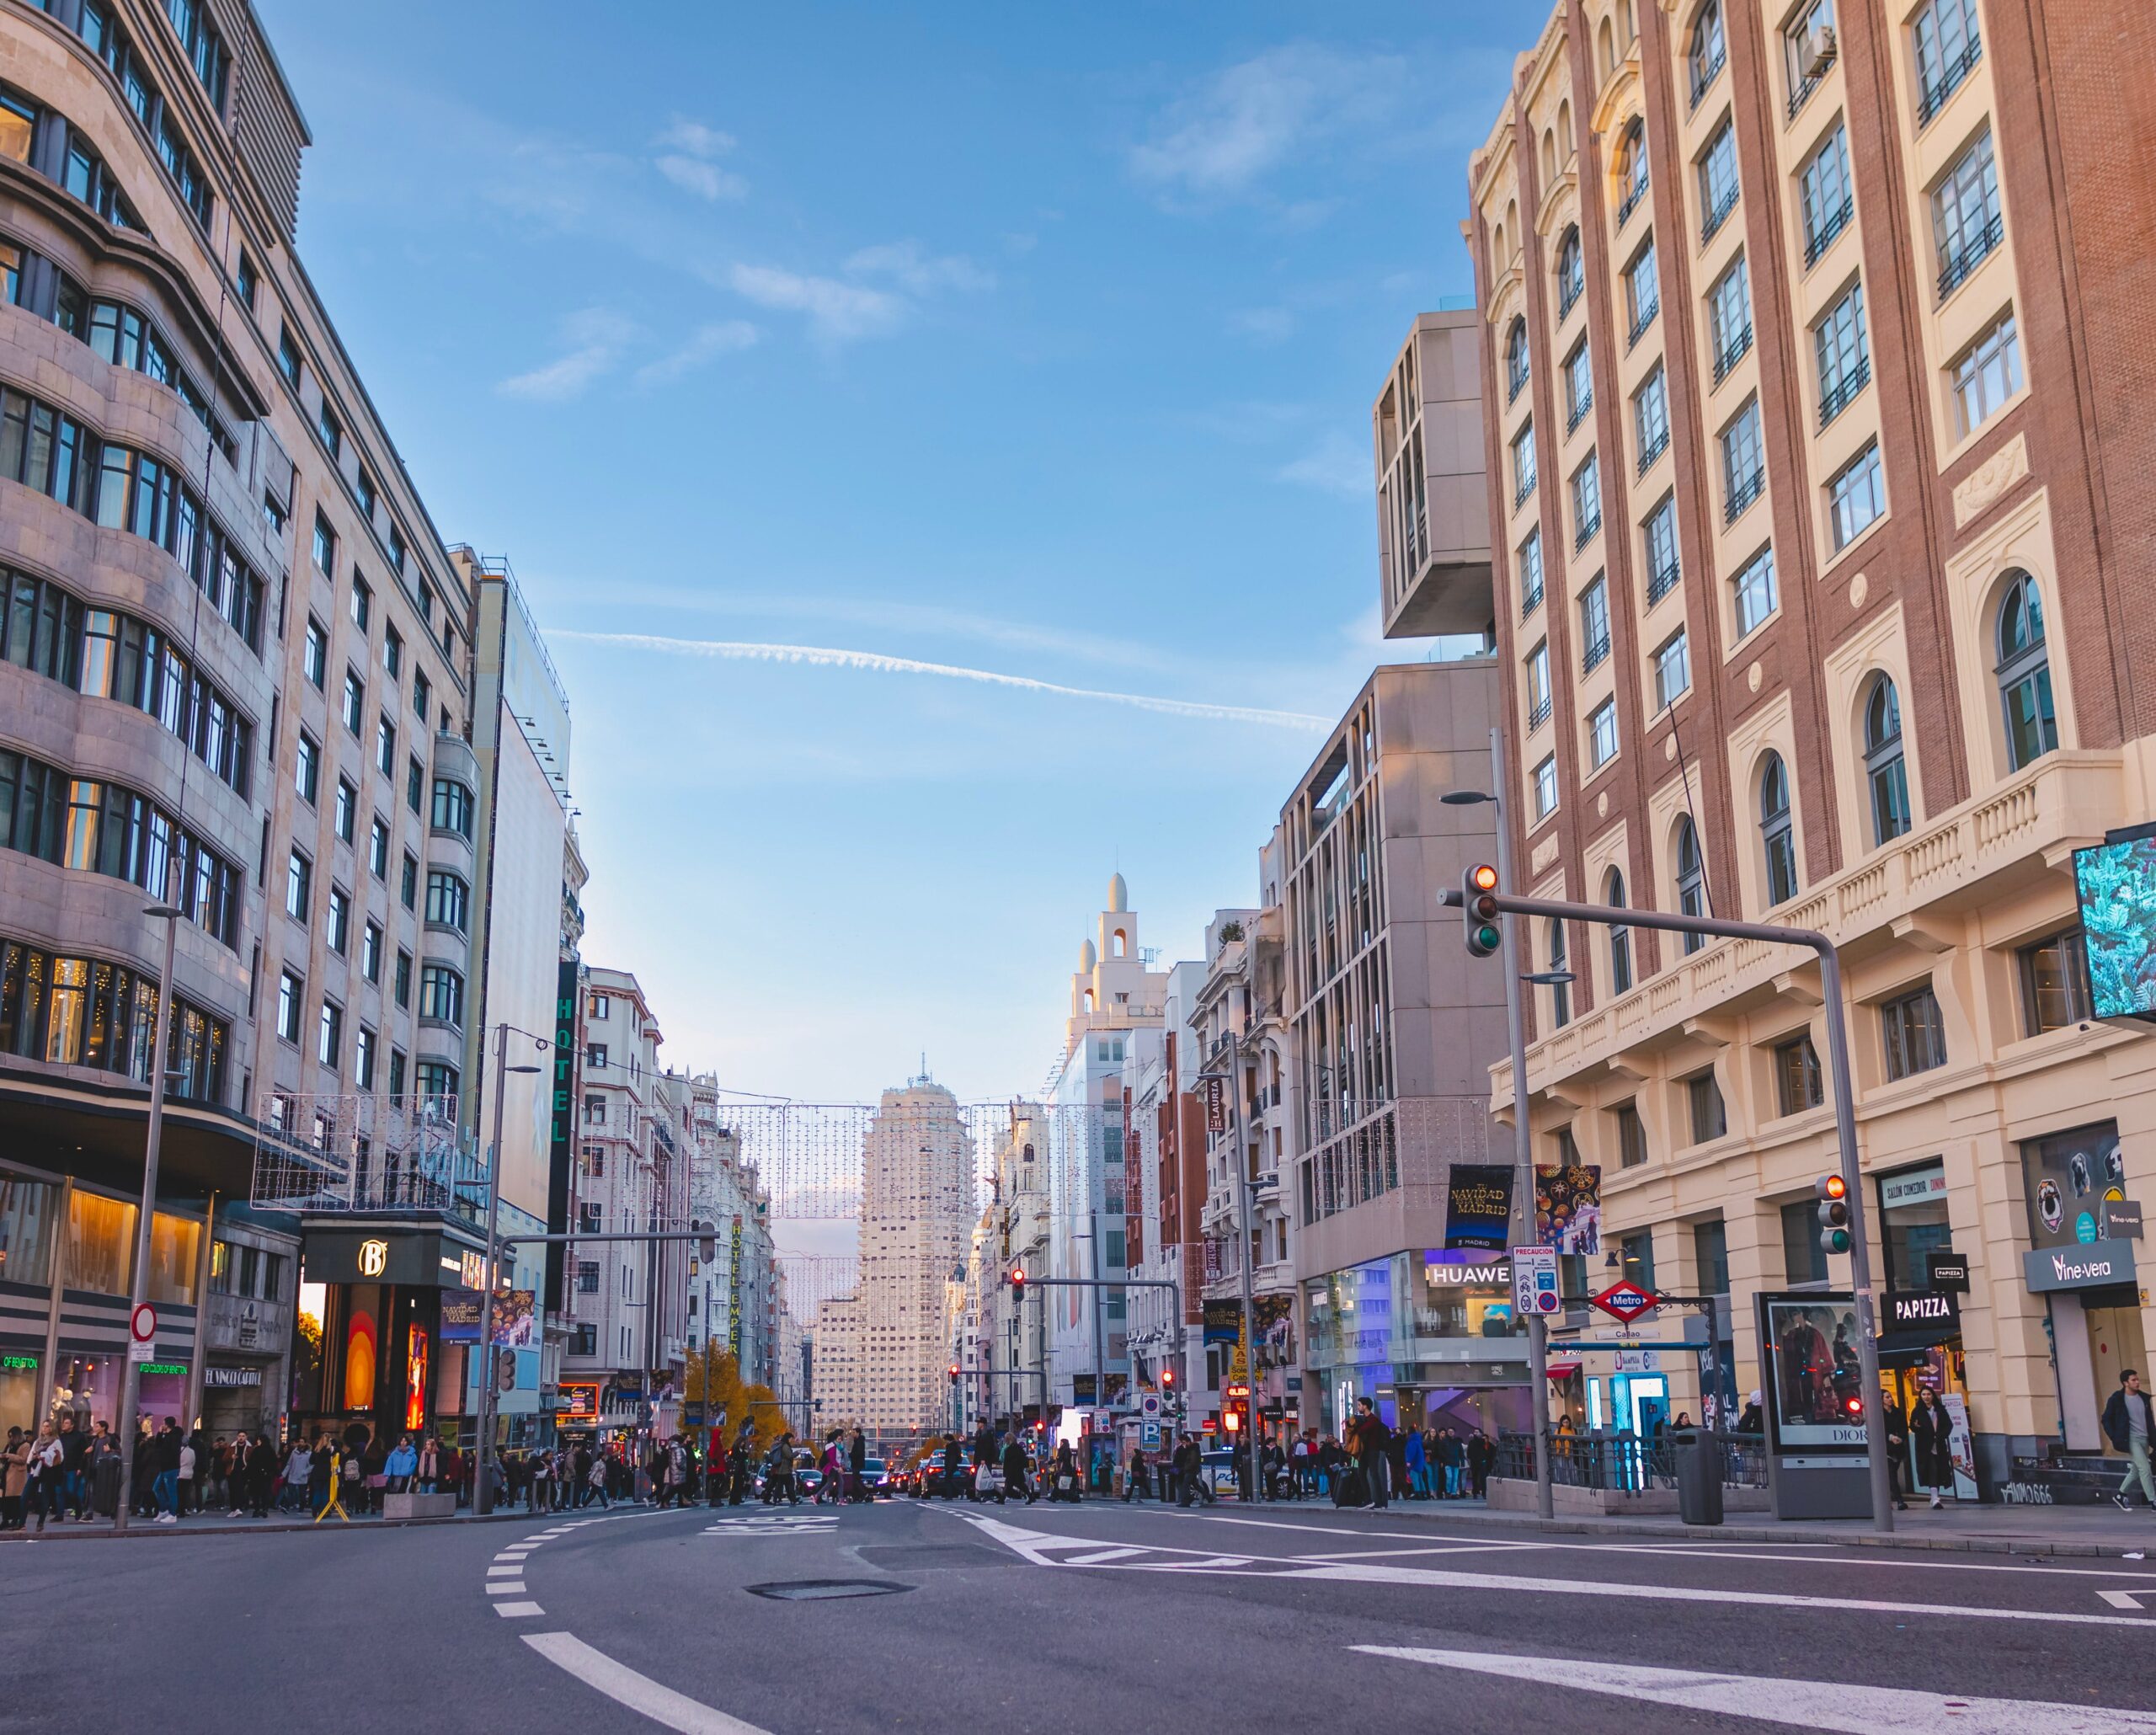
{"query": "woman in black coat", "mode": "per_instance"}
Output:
(1931, 1429)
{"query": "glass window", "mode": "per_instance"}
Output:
(378, 848)
(1572, 271)
(370, 953)
(1844, 353)
(1538, 686)
(408, 888)
(1949, 42)
(2025, 674)
(1913, 1219)
(1711, 1257)
(2055, 982)
(1703, 1098)
(1631, 1137)
(347, 810)
(1743, 465)
(338, 923)
(325, 546)
(1602, 735)
(363, 1047)
(1516, 360)
(1824, 192)
(452, 807)
(1691, 879)
(1777, 835)
(402, 983)
(1635, 1254)
(1965, 215)
(1718, 179)
(1594, 622)
(354, 701)
(1546, 788)
(292, 1005)
(385, 746)
(1632, 170)
(1620, 938)
(362, 603)
(1642, 292)
(1915, 1034)
(27, 1210)
(1807, 47)
(315, 658)
(1987, 375)
(441, 994)
(1561, 992)
(1754, 587)
(1797, 1083)
(1804, 1256)
(363, 486)
(100, 1243)
(1856, 496)
(1651, 417)
(1579, 384)
(329, 1047)
(1587, 501)
(1708, 49)
(1530, 573)
(448, 900)
(1524, 463)
(1886, 771)
(299, 875)
(422, 695)
(1672, 670)
(1660, 535)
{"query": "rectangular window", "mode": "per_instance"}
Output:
(288, 358)
(325, 546)
(1660, 538)
(1718, 180)
(1754, 588)
(422, 695)
(441, 994)
(329, 1048)
(1824, 192)
(1579, 385)
(1631, 1137)
(392, 652)
(1856, 495)
(378, 848)
(1743, 464)
(397, 1072)
(331, 432)
(1710, 1255)
(449, 901)
(1635, 1256)
(1523, 463)
(402, 984)
(1703, 1097)
(1844, 353)
(408, 890)
(315, 655)
(1672, 670)
(1987, 373)
(1804, 1256)
(1546, 788)
(587, 1277)
(337, 920)
(362, 603)
(1797, 1084)
(370, 953)
(299, 886)
(415, 781)
(292, 1005)
(245, 280)
(1602, 734)
(1530, 573)
(2055, 984)
(1915, 1034)
(347, 811)
(1966, 220)
(363, 1057)
(363, 486)
(1949, 43)
(1587, 502)
(307, 768)
(1538, 686)
(385, 746)
(452, 807)
(1651, 417)
(1595, 623)
(355, 702)
(1642, 293)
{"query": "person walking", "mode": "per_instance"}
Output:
(15, 1478)
(298, 1467)
(1898, 1445)
(1370, 1441)
(857, 1465)
(1137, 1481)
(1931, 1429)
(46, 1471)
(1417, 1454)
(1018, 1472)
(2130, 1421)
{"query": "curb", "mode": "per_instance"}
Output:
(77, 1533)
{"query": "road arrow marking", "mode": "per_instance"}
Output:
(2123, 1599)
(1812, 1704)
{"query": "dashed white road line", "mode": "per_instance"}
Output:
(513, 1570)
(517, 1611)
(638, 1692)
(507, 1587)
(1835, 1706)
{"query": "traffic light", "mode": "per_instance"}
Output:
(1833, 1214)
(1167, 1379)
(954, 1373)
(707, 1241)
(1018, 1278)
(1478, 909)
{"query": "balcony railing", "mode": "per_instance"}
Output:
(1515, 378)
(1800, 94)
(1703, 71)
(1640, 322)
(1719, 214)
(1521, 493)
(1569, 290)
(1954, 267)
(1830, 226)
(1574, 415)
(1538, 712)
(1586, 533)
(1634, 197)
(1662, 581)
(1743, 495)
(1732, 352)
(1932, 96)
(1597, 651)
(1652, 450)
(1530, 602)
(1838, 396)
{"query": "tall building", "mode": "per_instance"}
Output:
(736, 1300)
(882, 1354)
(236, 678)
(1112, 992)
(1822, 329)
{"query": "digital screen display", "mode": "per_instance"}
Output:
(2117, 885)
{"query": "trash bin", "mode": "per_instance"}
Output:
(1698, 1456)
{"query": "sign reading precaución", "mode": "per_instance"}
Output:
(1535, 1281)
(1627, 1301)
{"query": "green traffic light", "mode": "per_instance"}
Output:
(1487, 938)
(1837, 1241)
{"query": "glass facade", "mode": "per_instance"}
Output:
(1427, 1330)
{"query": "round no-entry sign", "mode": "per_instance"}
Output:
(143, 1323)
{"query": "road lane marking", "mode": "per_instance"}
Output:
(1812, 1704)
(517, 1611)
(1105, 1554)
(516, 1570)
(2123, 1599)
(1034, 1546)
(507, 1587)
(638, 1692)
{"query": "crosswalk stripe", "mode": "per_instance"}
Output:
(517, 1611)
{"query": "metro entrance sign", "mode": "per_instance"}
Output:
(1625, 1301)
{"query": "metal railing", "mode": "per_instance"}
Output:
(1578, 410)
(1525, 488)
(1955, 268)
(1743, 495)
(1569, 292)
(1627, 1463)
(1830, 227)
(1837, 396)
(1652, 450)
(1634, 197)
(1719, 214)
(1515, 378)
(1538, 713)
(1661, 582)
(1586, 533)
(1592, 657)
(1932, 96)
(1639, 325)
(1530, 602)
(1732, 352)
(1703, 74)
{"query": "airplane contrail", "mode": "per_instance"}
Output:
(823, 657)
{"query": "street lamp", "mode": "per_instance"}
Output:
(482, 1491)
(1538, 1330)
(138, 1291)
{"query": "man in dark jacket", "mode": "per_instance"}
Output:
(261, 1473)
(856, 1461)
(2130, 1420)
(1372, 1445)
(1015, 1477)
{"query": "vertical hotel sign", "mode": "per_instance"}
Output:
(734, 1294)
(562, 1100)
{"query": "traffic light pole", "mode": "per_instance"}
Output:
(1838, 1046)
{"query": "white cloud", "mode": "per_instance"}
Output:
(1333, 466)
(822, 657)
(1221, 140)
(595, 337)
(914, 268)
(695, 138)
(1262, 325)
(837, 312)
(707, 180)
(708, 344)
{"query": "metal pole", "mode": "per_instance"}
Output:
(138, 1290)
(1537, 1330)
(1235, 1083)
(482, 1493)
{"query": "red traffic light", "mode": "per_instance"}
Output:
(1853, 1404)
(1017, 1277)
(1834, 1187)
(955, 1370)
(1168, 1378)
(1483, 879)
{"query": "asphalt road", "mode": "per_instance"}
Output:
(1036, 1619)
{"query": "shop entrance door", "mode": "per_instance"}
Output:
(2115, 1344)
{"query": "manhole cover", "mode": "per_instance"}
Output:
(818, 1590)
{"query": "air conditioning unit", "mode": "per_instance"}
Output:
(1818, 50)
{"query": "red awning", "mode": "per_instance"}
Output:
(1559, 1370)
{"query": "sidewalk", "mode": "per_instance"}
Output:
(2102, 1531)
(219, 1523)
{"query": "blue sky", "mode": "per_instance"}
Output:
(1034, 341)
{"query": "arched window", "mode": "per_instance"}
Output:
(2024, 674)
(1691, 880)
(1548, 158)
(1605, 43)
(1516, 363)
(1572, 271)
(1561, 992)
(1885, 772)
(1117, 944)
(1512, 221)
(1777, 835)
(1566, 148)
(1621, 939)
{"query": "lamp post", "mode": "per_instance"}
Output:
(1538, 1330)
(138, 1290)
(483, 1489)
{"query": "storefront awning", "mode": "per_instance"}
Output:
(1559, 1371)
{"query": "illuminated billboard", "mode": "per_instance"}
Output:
(2116, 886)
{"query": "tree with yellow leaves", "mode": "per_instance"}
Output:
(713, 1379)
